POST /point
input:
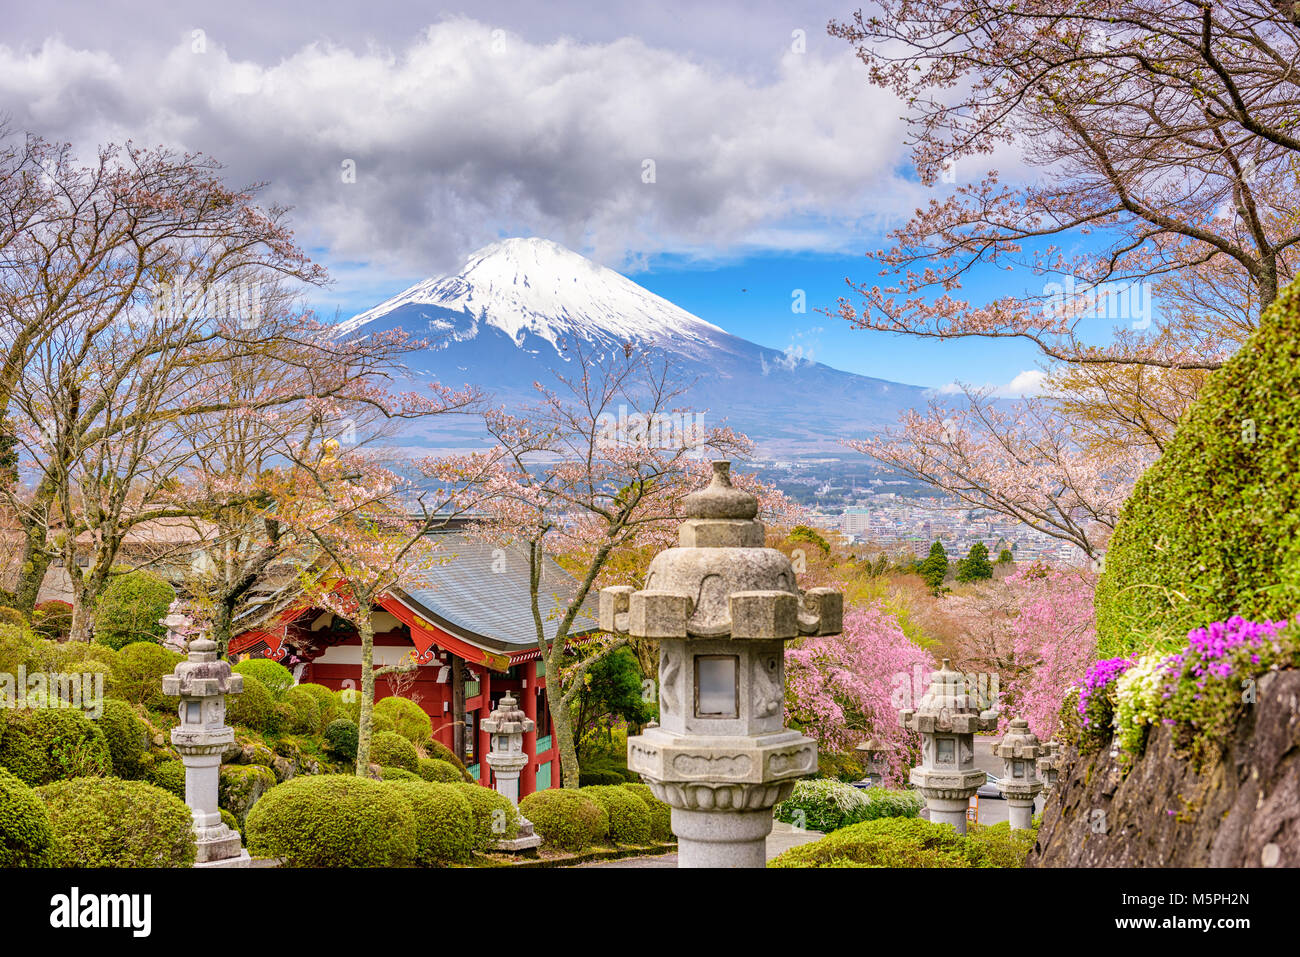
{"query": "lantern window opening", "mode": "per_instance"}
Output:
(717, 686)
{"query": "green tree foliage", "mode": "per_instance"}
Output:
(130, 607)
(1005, 557)
(612, 691)
(935, 567)
(975, 566)
(1212, 529)
(805, 533)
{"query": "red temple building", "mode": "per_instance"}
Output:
(470, 626)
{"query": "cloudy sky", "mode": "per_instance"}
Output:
(721, 154)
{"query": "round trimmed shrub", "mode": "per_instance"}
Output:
(127, 737)
(254, 708)
(306, 712)
(495, 818)
(240, 786)
(391, 750)
(333, 820)
(444, 823)
(591, 777)
(434, 769)
(138, 673)
(1212, 529)
(108, 822)
(169, 774)
(440, 752)
(274, 676)
(629, 816)
(52, 744)
(25, 835)
(887, 842)
(397, 774)
(661, 815)
(341, 738)
(229, 819)
(566, 818)
(326, 702)
(130, 607)
(381, 724)
(409, 719)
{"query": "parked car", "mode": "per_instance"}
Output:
(989, 789)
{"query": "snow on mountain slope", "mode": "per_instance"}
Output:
(539, 287)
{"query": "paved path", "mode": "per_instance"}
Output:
(782, 838)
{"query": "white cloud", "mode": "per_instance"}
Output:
(469, 133)
(1026, 383)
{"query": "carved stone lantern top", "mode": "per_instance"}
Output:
(1019, 743)
(948, 706)
(507, 718)
(203, 674)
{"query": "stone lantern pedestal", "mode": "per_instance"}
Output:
(507, 725)
(1019, 784)
(202, 682)
(947, 717)
(721, 606)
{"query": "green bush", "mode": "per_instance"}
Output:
(327, 702)
(444, 822)
(382, 724)
(138, 673)
(887, 842)
(108, 822)
(229, 820)
(661, 815)
(306, 711)
(495, 818)
(130, 607)
(398, 774)
(52, 744)
(841, 767)
(1212, 529)
(629, 816)
(169, 775)
(440, 752)
(127, 737)
(25, 835)
(591, 777)
(1002, 846)
(274, 676)
(391, 750)
(333, 820)
(341, 738)
(409, 719)
(53, 620)
(253, 708)
(567, 819)
(12, 616)
(435, 769)
(241, 786)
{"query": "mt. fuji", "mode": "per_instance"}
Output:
(501, 323)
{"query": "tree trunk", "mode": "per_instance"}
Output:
(31, 573)
(557, 702)
(365, 628)
(458, 708)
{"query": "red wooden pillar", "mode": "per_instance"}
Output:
(485, 690)
(528, 778)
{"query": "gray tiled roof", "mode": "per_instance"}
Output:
(481, 594)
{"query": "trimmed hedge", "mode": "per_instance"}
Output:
(306, 711)
(327, 702)
(127, 737)
(130, 607)
(333, 820)
(169, 774)
(409, 719)
(887, 842)
(1212, 529)
(629, 816)
(440, 752)
(26, 838)
(138, 673)
(433, 769)
(391, 750)
(52, 744)
(495, 818)
(254, 708)
(341, 737)
(661, 815)
(276, 677)
(444, 822)
(567, 819)
(108, 822)
(398, 774)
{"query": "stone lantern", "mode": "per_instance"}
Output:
(507, 725)
(947, 719)
(874, 755)
(721, 606)
(1019, 750)
(1049, 766)
(202, 682)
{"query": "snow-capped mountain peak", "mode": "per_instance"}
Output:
(531, 285)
